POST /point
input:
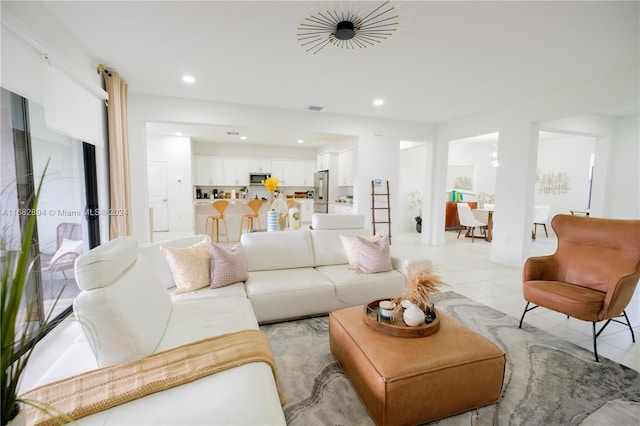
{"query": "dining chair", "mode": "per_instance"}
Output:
(254, 205)
(220, 206)
(541, 217)
(468, 221)
(68, 248)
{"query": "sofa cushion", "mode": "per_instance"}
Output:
(189, 265)
(373, 256)
(337, 221)
(232, 290)
(290, 293)
(352, 288)
(199, 319)
(267, 251)
(100, 267)
(227, 265)
(328, 248)
(125, 318)
(152, 254)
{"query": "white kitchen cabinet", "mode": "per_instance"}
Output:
(236, 172)
(284, 170)
(303, 173)
(340, 208)
(203, 171)
(322, 161)
(309, 171)
(259, 166)
(208, 171)
(345, 168)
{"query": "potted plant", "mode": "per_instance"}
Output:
(416, 202)
(17, 345)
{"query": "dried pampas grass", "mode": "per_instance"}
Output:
(422, 285)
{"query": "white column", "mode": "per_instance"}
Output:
(515, 186)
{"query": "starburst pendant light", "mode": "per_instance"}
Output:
(347, 29)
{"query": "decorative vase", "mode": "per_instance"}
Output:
(273, 224)
(294, 218)
(413, 316)
(418, 228)
(271, 196)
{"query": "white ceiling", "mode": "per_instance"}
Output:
(446, 60)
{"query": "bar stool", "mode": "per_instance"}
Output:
(254, 205)
(220, 206)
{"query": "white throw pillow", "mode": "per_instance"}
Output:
(373, 256)
(351, 249)
(228, 265)
(67, 246)
(189, 265)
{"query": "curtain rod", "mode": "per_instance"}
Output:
(97, 91)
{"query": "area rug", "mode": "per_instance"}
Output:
(548, 381)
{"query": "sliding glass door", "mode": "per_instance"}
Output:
(63, 225)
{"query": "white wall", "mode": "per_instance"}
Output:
(175, 151)
(412, 178)
(570, 154)
(253, 151)
(622, 200)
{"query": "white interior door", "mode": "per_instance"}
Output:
(158, 197)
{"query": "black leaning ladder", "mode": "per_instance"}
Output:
(380, 201)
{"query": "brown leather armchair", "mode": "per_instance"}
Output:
(591, 276)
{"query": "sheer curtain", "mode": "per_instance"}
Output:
(119, 171)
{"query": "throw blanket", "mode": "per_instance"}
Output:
(91, 392)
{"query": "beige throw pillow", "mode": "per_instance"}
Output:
(373, 256)
(350, 248)
(189, 265)
(228, 265)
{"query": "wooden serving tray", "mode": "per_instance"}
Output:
(372, 318)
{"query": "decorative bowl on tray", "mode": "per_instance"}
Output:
(397, 328)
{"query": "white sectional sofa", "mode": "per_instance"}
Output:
(128, 310)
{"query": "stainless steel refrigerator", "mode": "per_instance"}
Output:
(321, 192)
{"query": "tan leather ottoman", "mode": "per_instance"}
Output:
(403, 381)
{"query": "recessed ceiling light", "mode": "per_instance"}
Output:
(300, 141)
(378, 102)
(188, 79)
(244, 138)
(178, 133)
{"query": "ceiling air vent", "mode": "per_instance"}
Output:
(314, 108)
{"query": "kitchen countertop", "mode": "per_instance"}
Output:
(208, 201)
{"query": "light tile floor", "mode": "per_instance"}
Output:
(467, 269)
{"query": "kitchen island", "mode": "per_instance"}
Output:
(238, 207)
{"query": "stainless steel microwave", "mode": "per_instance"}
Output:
(257, 178)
